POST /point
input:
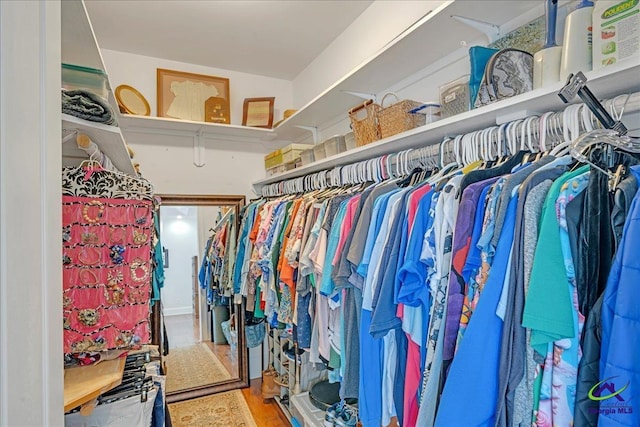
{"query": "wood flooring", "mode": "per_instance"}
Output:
(265, 412)
(182, 332)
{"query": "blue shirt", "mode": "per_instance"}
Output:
(474, 370)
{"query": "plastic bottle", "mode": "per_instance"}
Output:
(616, 32)
(577, 44)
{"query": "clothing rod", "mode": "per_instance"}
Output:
(459, 148)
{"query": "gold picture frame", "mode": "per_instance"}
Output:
(183, 95)
(258, 112)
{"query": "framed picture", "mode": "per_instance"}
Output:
(258, 112)
(184, 95)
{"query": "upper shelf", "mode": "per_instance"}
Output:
(241, 136)
(431, 38)
(605, 83)
(410, 52)
(108, 138)
(79, 45)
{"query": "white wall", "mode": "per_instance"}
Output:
(140, 72)
(373, 29)
(180, 237)
(31, 354)
(169, 166)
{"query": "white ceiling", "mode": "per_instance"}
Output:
(267, 37)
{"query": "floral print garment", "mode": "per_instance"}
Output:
(560, 371)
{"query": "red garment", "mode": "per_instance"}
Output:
(412, 379)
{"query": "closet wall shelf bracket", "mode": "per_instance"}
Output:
(492, 31)
(313, 130)
(108, 138)
(363, 95)
(198, 149)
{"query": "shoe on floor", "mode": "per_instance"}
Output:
(347, 418)
(282, 380)
(332, 413)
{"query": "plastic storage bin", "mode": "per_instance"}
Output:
(307, 157)
(77, 77)
(288, 154)
(454, 97)
(350, 140)
(334, 145)
(319, 152)
(432, 111)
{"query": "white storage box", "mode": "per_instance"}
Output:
(334, 145)
(307, 157)
(319, 152)
(287, 154)
(350, 141)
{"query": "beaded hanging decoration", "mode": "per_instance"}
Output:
(107, 275)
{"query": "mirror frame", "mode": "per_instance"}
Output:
(238, 202)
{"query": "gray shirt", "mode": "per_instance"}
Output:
(513, 343)
(510, 183)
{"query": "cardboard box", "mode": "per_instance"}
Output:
(288, 154)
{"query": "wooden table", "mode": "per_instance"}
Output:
(84, 383)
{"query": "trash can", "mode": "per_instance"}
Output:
(220, 313)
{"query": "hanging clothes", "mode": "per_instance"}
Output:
(414, 293)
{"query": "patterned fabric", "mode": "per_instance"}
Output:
(560, 372)
(479, 276)
(508, 73)
(107, 272)
(97, 182)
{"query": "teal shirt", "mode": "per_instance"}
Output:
(547, 309)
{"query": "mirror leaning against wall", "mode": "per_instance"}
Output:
(197, 323)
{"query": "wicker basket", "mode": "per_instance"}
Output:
(397, 118)
(364, 122)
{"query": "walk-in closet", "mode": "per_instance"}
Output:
(319, 213)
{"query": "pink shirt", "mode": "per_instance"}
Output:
(347, 224)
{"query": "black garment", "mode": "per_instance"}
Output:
(482, 174)
(574, 215)
(586, 410)
(596, 247)
(622, 198)
(513, 346)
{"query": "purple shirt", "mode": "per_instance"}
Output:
(461, 244)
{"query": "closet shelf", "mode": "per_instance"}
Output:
(262, 140)
(85, 383)
(108, 138)
(607, 82)
(428, 40)
(79, 45)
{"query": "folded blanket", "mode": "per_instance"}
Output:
(88, 106)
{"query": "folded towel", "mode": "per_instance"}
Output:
(88, 106)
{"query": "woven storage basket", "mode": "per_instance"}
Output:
(396, 117)
(364, 122)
